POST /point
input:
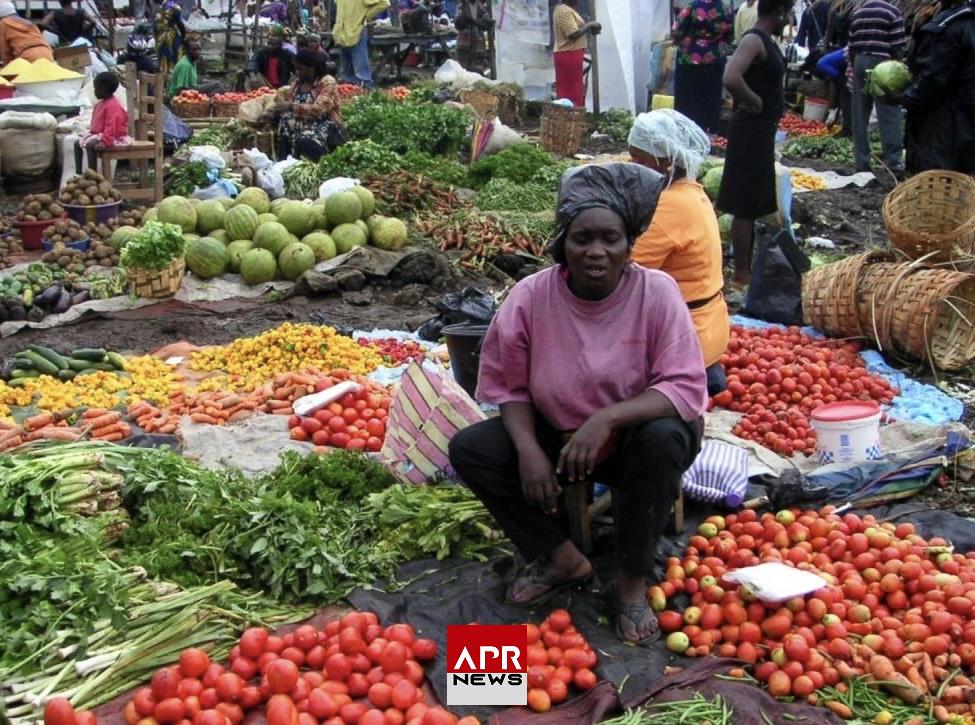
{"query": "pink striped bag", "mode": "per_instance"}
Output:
(428, 409)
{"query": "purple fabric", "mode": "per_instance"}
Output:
(571, 358)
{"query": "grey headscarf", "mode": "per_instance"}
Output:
(629, 190)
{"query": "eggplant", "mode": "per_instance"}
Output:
(80, 296)
(36, 314)
(16, 313)
(49, 296)
(63, 303)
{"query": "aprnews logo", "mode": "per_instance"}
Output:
(487, 664)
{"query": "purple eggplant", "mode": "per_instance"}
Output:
(49, 296)
(81, 296)
(63, 303)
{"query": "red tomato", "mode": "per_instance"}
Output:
(282, 675)
(193, 662)
(281, 711)
(59, 711)
(165, 683)
(228, 686)
(424, 650)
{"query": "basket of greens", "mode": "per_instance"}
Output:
(154, 260)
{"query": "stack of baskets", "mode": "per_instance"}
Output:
(190, 109)
(923, 308)
(225, 109)
(563, 129)
(157, 283)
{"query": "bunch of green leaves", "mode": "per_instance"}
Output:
(446, 171)
(181, 180)
(518, 163)
(615, 123)
(501, 194)
(411, 125)
(301, 180)
(551, 176)
(357, 159)
(154, 247)
(212, 136)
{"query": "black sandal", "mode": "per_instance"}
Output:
(536, 574)
(635, 613)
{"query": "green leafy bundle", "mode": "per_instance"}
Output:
(615, 123)
(154, 247)
(181, 180)
(408, 125)
(502, 194)
(444, 170)
(518, 163)
(357, 159)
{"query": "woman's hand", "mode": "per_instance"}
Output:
(754, 105)
(538, 481)
(578, 457)
(282, 106)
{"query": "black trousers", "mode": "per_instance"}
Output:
(644, 472)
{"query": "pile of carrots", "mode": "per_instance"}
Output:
(95, 423)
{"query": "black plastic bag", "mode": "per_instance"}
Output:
(775, 292)
(469, 305)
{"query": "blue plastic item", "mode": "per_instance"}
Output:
(81, 245)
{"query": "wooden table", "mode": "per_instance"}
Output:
(393, 48)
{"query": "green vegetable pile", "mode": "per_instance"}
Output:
(832, 149)
(615, 123)
(405, 126)
(183, 179)
(213, 136)
(154, 247)
(518, 163)
(501, 194)
(358, 158)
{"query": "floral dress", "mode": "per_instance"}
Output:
(169, 35)
(704, 31)
(314, 125)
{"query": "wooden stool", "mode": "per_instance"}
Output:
(581, 513)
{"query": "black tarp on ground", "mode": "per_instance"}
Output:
(462, 592)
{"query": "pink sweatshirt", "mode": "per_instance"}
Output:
(571, 357)
(110, 120)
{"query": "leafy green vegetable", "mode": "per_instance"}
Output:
(615, 123)
(183, 179)
(445, 171)
(357, 159)
(517, 163)
(212, 136)
(301, 180)
(501, 194)
(154, 247)
(404, 126)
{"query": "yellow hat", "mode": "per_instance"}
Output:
(43, 70)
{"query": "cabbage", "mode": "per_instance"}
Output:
(890, 78)
(724, 227)
(712, 182)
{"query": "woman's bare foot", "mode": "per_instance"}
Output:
(565, 564)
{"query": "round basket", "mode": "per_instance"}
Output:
(98, 213)
(829, 295)
(185, 109)
(31, 232)
(157, 283)
(933, 213)
(563, 129)
(225, 109)
(480, 100)
(80, 245)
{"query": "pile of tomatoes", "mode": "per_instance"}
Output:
(889, 589)
(719, 142)
(356, 421)
(559, 657)
(353, 672)
(395, 352)
(240, 97)
(192, 96)
(398, 93)
(349, 90)
(795, 125)
(778, 376)
(59, 711)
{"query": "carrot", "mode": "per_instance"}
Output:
(167, 428)
(239, 415)
(812, 698)
(11, 443)
(846, 672)
(51, 433)
(281, 379)
(108, 430)
(299, 379)
(12, 433)
(736, 672)
(230, 401)
(94, 413)
(273, 404)
(38, 421)
(215, 412)
(135, 411)
(112, 437)
(841, 687)
(959, 707)
(953, 695)
(927, 670)
(914, 677)
(942, 660)
(960, 680)
(104, 420)
(203, 418)
(282, 411)
(883, 671)
(839, 709)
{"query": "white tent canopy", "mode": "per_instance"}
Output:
(629, 29)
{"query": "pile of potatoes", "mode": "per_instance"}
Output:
(39, 207)
(66, 231)
(87, 189)
(103, 232)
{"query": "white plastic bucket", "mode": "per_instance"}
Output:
(815, 109)
(847, 432)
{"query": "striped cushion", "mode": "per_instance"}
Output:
(719, 471)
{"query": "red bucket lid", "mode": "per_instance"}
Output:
(843, 411)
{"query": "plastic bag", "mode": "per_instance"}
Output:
(469, 305)
(250, 111)
(210, 155)
(175, 130)
(219, 189)
(501, 138)
(257, 160)
(336, 185)
(775, 292)
(719, 475)
(774, 582)
(454, 74)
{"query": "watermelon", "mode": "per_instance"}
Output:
(298, 218)
(367, 200)
(363, 226)
(295, 260)
(122, 236)
(321, 244)
(209, 216)
(266, 217)
(276, 205)
(347, 236)
(389, 234)
(236, 250)
(712, 182)
(272, 236)
(255, 198)
(177, 210)
(321, 218)
(240, 222)
(206, 257)
(151, 215)
(220, 235)
(227, 202)
(257, 266)
(343, 208)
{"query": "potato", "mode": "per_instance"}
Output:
(83, 200)
(99, 199)
(56, 209)
(44, 215)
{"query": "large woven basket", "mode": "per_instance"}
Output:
(157, 283)
(922, 312)
(190, 110)
(933, 213)
(225, 109)
(563, 129)
(829, 295)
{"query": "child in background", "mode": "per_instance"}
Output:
(109, 120)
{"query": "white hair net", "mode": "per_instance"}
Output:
(7, 8)
(670, 135)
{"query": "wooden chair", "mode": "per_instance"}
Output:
(575, 499)
(144, 103)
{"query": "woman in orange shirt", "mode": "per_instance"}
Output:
(683, 239)
(20, 38)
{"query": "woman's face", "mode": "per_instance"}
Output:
(305, 73)
(639, 156)
(596, 251)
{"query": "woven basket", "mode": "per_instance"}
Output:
(157, 283)
(933, 213)
(829, 295)
(225, 109)
(184, 109)
(480, 100)
(925, 313)
(563, 129)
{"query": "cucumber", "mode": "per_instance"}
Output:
(66, 374)
(102, 366)
(115, 360)
(20, 374)
(51, 356)
(42, 363)
(17, 382)
(22, 361)
(89, 353)
(79, 365)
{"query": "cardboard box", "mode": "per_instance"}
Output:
(76, 59)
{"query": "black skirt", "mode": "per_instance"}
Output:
(748, 179)
(697, 93)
